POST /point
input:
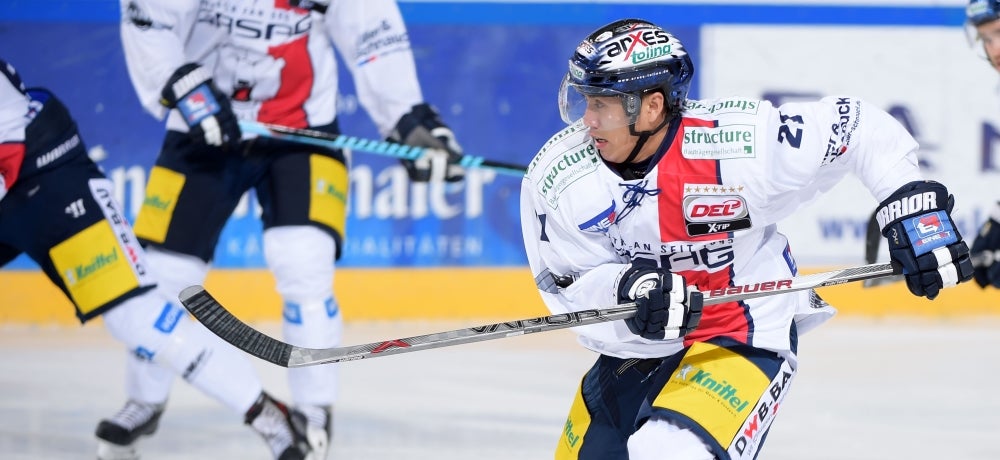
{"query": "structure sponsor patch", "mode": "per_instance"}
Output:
(727, 142)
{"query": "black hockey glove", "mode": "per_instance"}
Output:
(986, 252)
(205, 108)
(667, 308)
(318, 6)
(923, 240)
(422, 127)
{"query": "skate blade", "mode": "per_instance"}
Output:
(108, 451)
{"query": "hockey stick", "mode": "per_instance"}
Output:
(392, 149)
(217, 319)
(873, 240)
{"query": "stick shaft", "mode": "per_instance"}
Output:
(217, 319)
(385, 148)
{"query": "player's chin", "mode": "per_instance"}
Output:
(612, 152)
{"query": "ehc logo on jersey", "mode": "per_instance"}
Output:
(705, 214)
(600, 222)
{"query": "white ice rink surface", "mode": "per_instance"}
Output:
(867, 389)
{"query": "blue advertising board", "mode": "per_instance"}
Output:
(491, 68)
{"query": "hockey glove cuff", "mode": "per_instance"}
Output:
(206, 109)
(667, 308)
(986, 251)
(923, 240)
(422, 127)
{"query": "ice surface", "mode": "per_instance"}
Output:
(867, 389)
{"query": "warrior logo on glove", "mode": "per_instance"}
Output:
(923, 240)
(205, 108)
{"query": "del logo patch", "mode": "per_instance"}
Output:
(714, 209)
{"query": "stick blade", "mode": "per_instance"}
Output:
(222, 323)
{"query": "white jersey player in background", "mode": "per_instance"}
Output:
(206, 64)
(984, 22)
(57, 207)
(648, 196)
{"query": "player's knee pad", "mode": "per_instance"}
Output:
(175, 271)
(301, 259)
(162, 332)
(659, 439)
(313, 325)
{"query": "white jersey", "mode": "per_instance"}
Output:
(13, 106)
(276, 62)
(13, 121)
(727, 172)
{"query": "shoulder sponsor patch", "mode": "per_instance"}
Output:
(714, 209)
(558, 172)
(721, 106)
(718, 143)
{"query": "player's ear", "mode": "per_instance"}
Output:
(653, 104)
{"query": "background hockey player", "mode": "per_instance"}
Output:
(649, 197)
(984, 19)
(57, 207)
(205, 65)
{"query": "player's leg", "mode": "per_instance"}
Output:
(304, 198)
(165, 334)
(147, 381)
(73, 228)
(190, 195)
(716, 400)
(147, 386)
(603, 411)
(64, 218)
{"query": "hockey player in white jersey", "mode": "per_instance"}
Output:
(650, 197)
(57, 207)
(984, 24)
(204, 65)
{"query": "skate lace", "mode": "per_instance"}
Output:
(273, 426)
(134, 413)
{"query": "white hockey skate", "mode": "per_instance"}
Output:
(283, 429)
(319, 429)
(118, 435)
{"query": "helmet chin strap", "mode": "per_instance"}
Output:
(643, 137)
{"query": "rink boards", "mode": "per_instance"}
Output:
(456, 252)
(470, 293)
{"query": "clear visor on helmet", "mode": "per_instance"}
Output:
(601, 108)
(979, 39)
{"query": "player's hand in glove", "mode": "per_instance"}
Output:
(923, 240)
(986, 252)
(422, 127)
(205, 108)
(667, 308)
